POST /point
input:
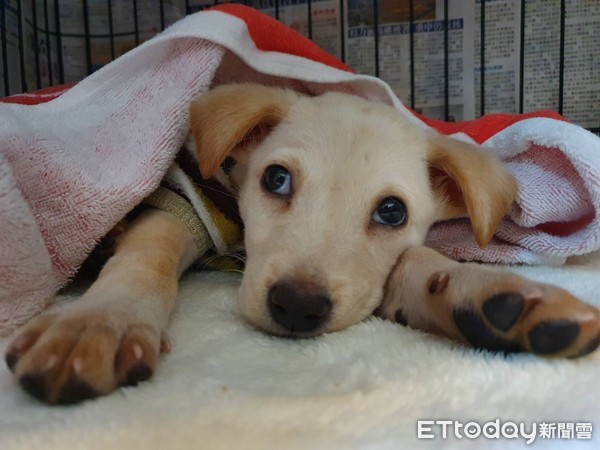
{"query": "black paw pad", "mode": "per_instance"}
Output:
(554, 336)
(399, 316)
(11, 361)
(479, 335)
(503, 310)
(75, 391)
(35, 385)
(137, 374)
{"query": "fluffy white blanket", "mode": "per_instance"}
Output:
(225, 385)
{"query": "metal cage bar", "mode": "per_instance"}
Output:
(411, 44)
(21, 47)
(561, 58)
(522, 59)
(482, 59)
(38, 74)
(61, 62)
(3, 35)
(446, 65)
(161, 5)
(310, 22)
(376, 34)
(111, 29)
(48, 45)
(88, 43)
(136, 24)
(343, 32)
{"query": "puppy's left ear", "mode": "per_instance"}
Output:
(232, 117)
(469, 181)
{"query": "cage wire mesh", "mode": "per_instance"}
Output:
(535, 54)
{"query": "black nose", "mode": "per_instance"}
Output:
(296, 308)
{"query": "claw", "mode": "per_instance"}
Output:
(35, 385)
(11, 360)
(137, 374)
(76, 391)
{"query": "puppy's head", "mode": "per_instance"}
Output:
(332, 189)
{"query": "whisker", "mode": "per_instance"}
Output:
(238, 257)
(224, 192)
(232, 257)
(205, 262)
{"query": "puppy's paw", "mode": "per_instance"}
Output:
(488, 308)
(79, 355)
(509, 313)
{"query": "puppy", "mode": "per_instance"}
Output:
(336, 195)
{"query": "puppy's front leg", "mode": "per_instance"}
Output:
(112, 335)
(488, 308)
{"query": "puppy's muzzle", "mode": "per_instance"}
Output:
(297, 308)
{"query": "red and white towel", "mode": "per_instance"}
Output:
(74, 160)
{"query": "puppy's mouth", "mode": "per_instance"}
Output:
(293, 334)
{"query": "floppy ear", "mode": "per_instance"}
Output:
(224, 119)
(470, 181)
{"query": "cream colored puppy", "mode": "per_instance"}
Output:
(336, 195)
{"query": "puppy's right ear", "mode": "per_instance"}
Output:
(226, 118)
(469, 181)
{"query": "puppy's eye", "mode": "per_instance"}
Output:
(277, 180)
(391, 211)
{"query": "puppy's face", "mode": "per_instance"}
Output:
(329, 200)
(332, 189)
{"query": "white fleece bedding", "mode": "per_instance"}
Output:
(225, 385)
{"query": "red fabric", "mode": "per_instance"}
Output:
(480, 130)
(562, 229)
(272, 36)
(39, 96)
